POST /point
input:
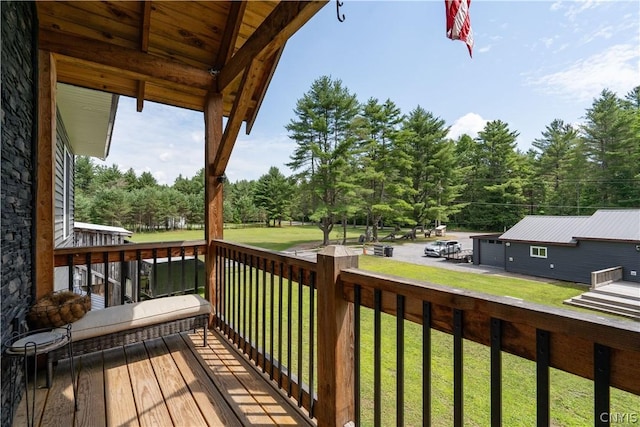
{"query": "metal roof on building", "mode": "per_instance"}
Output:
(547, 229)
(612, 224)
(101, 228)
(605, 224)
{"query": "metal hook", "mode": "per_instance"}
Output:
(338, 5)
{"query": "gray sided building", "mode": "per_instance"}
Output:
(570, 248)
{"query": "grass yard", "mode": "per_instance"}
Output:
(533, 291)
(274, 238)
(571, 396)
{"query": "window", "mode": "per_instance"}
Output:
(538, 252)
(67, 182)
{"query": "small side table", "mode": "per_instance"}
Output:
(32, 344)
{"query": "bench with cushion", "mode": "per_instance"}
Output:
(129, 323)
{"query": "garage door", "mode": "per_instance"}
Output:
(491, 252)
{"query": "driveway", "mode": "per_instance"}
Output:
(414, 253)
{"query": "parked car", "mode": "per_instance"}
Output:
(442, 247)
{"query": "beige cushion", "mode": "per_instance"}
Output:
(129, 316)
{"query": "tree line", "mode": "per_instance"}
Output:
(367, 162)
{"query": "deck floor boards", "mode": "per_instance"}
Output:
(170, 381)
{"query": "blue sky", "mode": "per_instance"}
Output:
(533, 62)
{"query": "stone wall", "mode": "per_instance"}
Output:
(18, 175)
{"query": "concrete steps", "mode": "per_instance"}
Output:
(622, 299)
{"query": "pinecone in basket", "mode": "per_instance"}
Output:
(58, 309)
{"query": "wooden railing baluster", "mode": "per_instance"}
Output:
(400, 360)
(251, 299)
(263, 266)
(458, 378)
(601, 375)
(543, 358)
(89, 275)
(426, 363)
(496, 372)
(311, 338)
(300, 323)
(289, 327)
(183, 272)
(280, 297)
(271, 324)
(169, 271)
(124, 272)
(377, 358)
(196, 285)
(356, 354)
(105, 279)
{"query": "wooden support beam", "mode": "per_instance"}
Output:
(45, 173)
(230, 35)
(335, 339)
(140, 95)
(238, 112)
(214, 220)
(146, 25)
(128, 62)
(276, 29)
(144, 47)
(273, 64)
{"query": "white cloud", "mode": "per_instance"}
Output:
(165, 141)
(605, 32)
(574, 8)
(547, 41)
(470, 124)
(253, 155)
(615, 69)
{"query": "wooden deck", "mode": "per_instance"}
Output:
(171, 381)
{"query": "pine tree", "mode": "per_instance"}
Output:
(435, 180)
(322, 131)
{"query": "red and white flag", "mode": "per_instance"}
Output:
(458, 22)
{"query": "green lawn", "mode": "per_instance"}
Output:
(274, 238)
(551, 293)
(571, 397)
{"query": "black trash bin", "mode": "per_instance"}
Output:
(388, 251)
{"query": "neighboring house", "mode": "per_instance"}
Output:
(567, 248)
(85, 234)
(84, 124)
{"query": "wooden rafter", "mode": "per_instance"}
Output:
(230, 36)
(238, 112)
(144, 47)
(276, 29)
(129, 62)
(263, 89)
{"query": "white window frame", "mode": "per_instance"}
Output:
(538, 251)
(67, 172)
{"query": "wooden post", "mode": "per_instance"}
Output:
(213, 219)
(45, 173)
(335, 339)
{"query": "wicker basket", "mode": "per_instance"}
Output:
(58, 309)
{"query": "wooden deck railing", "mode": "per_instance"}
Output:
(266, 305)
(124, 262)
(301, 322)
(604, 351)
(606, 276)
